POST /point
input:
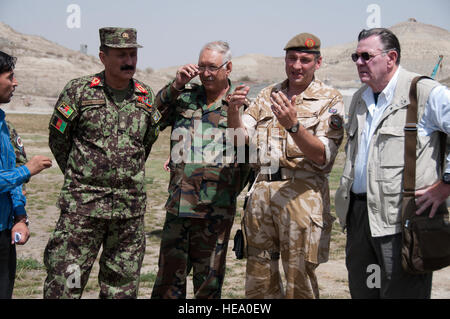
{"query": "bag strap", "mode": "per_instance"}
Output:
(409, 182)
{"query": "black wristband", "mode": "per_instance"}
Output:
(446, 178)
(294, 129)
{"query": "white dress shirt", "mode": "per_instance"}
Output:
(436, 117)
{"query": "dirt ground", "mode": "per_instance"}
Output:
(43, 190)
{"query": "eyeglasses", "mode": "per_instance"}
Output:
(366, 56)
(211, 68)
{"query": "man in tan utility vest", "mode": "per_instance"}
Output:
(368, 201)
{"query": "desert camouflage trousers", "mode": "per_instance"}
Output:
(286, 219)
(74, 246)
(198, 244)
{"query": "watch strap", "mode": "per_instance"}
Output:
(294, 128)
(446, 178)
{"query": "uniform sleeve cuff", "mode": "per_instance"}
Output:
(172, 92)
(327, 154)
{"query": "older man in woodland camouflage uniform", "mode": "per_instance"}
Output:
(204, 183)
(299, 123)
(101, 134)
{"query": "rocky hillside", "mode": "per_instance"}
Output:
(421, 46)
(44, 66)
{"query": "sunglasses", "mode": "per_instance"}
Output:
(366, 56)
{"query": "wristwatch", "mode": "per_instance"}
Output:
(294, 129)
(446, 178)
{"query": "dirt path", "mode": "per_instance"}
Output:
(43, 191)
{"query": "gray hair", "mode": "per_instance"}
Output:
(221, 47)
(387, 37)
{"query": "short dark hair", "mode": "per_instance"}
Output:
(7, 62)
(387, 37)
(104, 48)
(317, 55)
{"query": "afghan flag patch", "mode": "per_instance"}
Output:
(58, 123)
(65, 109)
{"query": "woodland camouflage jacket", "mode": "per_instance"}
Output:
(202, 175)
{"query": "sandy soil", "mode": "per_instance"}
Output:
(332, 275)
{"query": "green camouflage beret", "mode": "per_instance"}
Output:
(304, 42)
(119, 37)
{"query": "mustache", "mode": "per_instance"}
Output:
(127, 67)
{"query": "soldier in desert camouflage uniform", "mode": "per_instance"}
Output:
(203, 188)
(299, 123)
(101, 134)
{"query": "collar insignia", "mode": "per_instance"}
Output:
(141, 88)
(95, 82)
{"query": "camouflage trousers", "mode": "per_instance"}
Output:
(285, 219)
(74, 246)
(198, 244)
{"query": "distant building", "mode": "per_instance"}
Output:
(83, 48)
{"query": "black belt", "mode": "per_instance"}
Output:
(275, 176)
(360, 196)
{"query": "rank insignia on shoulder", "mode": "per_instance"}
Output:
(144, 100)
(141, 88)
(65, 109)
(191, 86)
(95, 82)
(335, 122)
(58, 123)
(156, 116)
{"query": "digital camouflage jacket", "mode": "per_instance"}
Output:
(101, 147)
(19, 149)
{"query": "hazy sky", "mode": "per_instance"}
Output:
(173, 31)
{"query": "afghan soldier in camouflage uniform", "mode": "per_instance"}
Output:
(101, 134)
(203, 185)
(299, 123)
(19, 149)
(16, 141)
